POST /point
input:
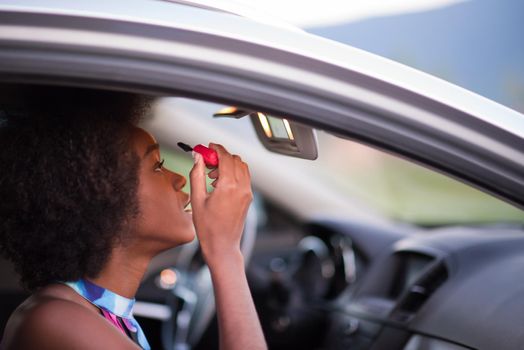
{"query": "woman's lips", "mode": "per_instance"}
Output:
(187, 207)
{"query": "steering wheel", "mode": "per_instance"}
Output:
(194, 289)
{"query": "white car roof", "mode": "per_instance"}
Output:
(276, 34)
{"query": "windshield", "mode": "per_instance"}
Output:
(406, 191)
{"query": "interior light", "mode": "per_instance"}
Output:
(167, 278)
(228, 110)
(231, 112)
(265, 124)
(288, 129)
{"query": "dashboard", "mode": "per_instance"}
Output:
(341, 285)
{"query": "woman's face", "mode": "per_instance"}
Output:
(162, 221)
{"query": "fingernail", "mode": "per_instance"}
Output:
(196, 157)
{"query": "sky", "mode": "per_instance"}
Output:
(327, 12)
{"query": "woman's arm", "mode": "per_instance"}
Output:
(219, 221)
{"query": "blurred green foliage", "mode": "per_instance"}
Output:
(407, 191)
(412, 193)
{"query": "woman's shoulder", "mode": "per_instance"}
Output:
(53, 318)
(53, 304)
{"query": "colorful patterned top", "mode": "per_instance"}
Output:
(115, 308)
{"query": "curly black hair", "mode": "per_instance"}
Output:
(68, 179)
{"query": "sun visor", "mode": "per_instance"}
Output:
(284, 136)
(278, 134)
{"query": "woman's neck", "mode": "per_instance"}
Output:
(124, 271)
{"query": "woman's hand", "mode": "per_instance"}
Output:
(219, 216)
(219, 221)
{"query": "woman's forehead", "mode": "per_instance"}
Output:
(142, 139)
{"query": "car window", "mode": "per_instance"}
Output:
(370, 179)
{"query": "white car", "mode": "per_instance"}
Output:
(352, 242)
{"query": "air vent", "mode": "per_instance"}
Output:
(417, 294)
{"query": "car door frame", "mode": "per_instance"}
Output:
(175, 49)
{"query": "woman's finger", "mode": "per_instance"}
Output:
(239, 173)
(197, 178)
(226, 163)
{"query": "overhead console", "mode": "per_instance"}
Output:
(278, 134)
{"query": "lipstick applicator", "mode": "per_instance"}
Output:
(209, 155)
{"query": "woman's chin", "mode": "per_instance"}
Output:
(178, 237)
(185, 230)
(190, 236)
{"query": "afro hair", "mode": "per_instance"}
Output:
(68, 179)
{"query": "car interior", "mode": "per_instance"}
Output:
(346, 246)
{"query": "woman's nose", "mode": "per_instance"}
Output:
(179, 181)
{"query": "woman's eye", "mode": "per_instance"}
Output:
(159, 165)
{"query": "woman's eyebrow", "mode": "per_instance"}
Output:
(151, 148)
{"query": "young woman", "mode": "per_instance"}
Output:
(86, 203)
